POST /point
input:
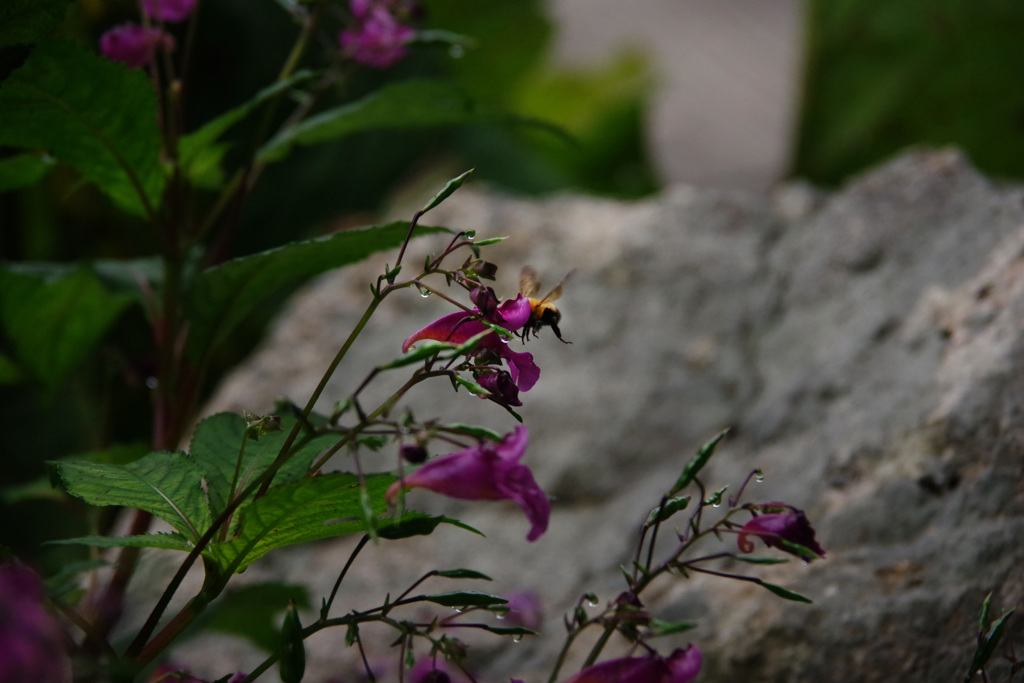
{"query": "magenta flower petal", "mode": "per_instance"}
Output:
(503, 388)
(455, 328)
(133, 45)
(525, 609)
(486, 471)
(169, 10)
(521, 367)
(684, 664)
(514, 313)
(777, 529)
(31, 640)
(378, 39)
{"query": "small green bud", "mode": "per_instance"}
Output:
(292, 662)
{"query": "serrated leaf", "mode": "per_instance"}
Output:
(90, 113)
(55, 316)
(306, 510)
(463, 574)
(166, 541)
(23, 170)
(215, 445)
(199, 154)
(784, 592)
(219, 298)
(465, 599)
(169, 485)
(403, 105)
(23, 22)
(446, 191)
(664, 628)
(697, 463)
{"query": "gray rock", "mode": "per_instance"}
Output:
(865, 346)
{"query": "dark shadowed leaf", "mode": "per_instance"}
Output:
(784, 592)
(465, 599)
(220, 297)
(253, 612)
(55, 316)
(23, 22)
(90, 113)
(167, 541)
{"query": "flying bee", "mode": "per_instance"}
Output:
(542, 311)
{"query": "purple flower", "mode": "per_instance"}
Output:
(503, 390)
(682, 666)
(435, 670)
(376, 39)
(779, 527)
(487, 471)
(525, 609)
(133, 45)
(458, 327)
(31, 641)
(168, 10)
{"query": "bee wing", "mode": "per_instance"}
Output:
(556, 293)
(528, 283)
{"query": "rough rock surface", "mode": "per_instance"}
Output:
(866, 347)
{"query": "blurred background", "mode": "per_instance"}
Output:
(732, 94)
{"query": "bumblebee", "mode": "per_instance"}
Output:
(542, 311)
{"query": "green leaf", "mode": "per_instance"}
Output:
(465, 599)
(665, 628)
(666, 510)
(510, 630)
(415, 524)
(251, 612)
(221, 297)
(446, 191)
(761, 560)
(475, 431)
(697, 463)
(463, 574)
(784, 592)
(23, 170)
(166, 541)
(215, 445)
(23, 22)
(306, 510)
(199, 154)
(987, 642)
(168, 485)
(91, 113)
(55, 316)
(403, 105)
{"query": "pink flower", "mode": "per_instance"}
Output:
(133, 45)
(682, 666)
(503, 390)
(168, 10)
(31, 641)
(459, 327)
(782, 526)
(376, 39)
(487, 471)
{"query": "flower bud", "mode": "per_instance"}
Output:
(413, 453)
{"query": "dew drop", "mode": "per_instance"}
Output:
(152, 382)
(457, 610)
(499, 616)
(516, 638)
(423, 291)
(456, 52)
(716, 505)
(592, 603)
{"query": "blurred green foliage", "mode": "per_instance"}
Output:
(885, 74)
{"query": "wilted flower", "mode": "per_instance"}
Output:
(459, 327)
(133, 45)
(779, 527)
(169, 10)
(377, 38)
(682, 666)
(503, 390)
(487, 471)
(31, 641)
(413, 453)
